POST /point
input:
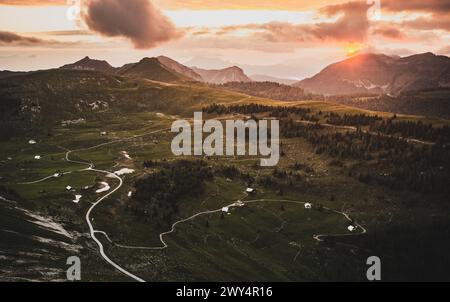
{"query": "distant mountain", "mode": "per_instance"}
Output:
(381, 74)
(91, 65)
(161, 69)
(265, 78)
(180, 68)
(151, 69)
(222, 76)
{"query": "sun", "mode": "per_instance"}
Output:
(352, 49)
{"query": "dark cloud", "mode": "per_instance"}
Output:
(137, 20)
(429, 6)
(353, 24)
(435, 13)
(13, 39)
(7, 37)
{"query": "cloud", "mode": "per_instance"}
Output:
(435, 14)
(137, 20)
(429, 23)
(389, 31)
(7, 37)
(352, 25)
(13, 39)
(294, 5)
(427, 6)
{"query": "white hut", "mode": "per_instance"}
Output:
(250, 191)
(77, 198)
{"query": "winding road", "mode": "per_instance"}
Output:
(94, 205)
(319, 238)
(93, 231)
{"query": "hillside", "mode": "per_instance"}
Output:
(270, 90)
(48, 98)
(180, 68)
(381, 74)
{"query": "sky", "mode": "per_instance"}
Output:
(287, 39)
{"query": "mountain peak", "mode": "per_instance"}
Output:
(89, 64)
(222, 76)
(429, 54)
(152, 69)
(235, 68)
(165, 58)
(148, 60)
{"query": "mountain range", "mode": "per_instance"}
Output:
(162, 69)
(418, 84)
(362, 74)
(381, 74)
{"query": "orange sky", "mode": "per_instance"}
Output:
(289, 38)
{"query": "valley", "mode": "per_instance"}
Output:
(256, 241)
(205, 149)
(89, 155)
